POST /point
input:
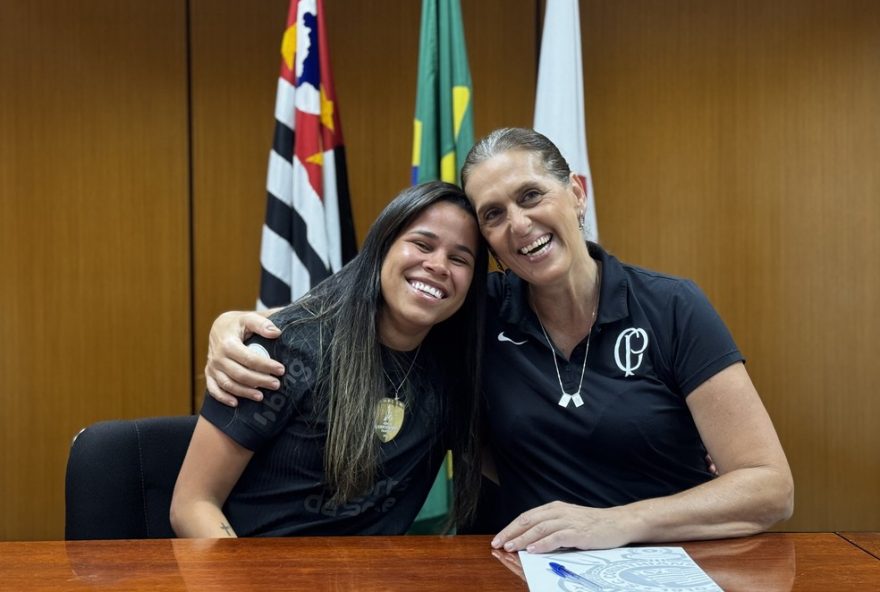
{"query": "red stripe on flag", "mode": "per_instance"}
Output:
(332, 138)
(308, 149)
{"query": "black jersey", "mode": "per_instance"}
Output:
(656, 339)
(283, 490)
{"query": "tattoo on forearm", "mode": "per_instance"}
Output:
(226, 528)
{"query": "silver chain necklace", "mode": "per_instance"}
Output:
(576, 396)
(405, 376)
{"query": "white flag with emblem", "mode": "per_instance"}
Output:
(559, 103)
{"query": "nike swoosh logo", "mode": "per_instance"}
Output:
(503, 337)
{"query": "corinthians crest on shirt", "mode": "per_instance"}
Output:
(630, 349)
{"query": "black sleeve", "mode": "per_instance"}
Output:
(702, 344)
(252, 424)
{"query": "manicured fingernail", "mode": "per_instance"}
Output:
(279, 370)
(271, 328)
(275, 384)
(259, 397)
(508, 546)
(530, 548)
(496, 543)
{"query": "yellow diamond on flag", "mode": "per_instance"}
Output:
(447, 168)
(417, 143)
(461, 98)
(316, 158)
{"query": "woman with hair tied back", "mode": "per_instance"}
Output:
(382, 375)
(604, 385)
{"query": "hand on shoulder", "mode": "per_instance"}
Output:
(232, 370)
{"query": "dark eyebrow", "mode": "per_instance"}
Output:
(458, 247)
(525, 186)
(528, 186)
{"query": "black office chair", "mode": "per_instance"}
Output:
(120, 476)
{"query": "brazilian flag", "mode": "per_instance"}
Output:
(443, 132)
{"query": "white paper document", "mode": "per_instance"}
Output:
(640, 569)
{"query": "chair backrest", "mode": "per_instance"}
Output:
(120, 476)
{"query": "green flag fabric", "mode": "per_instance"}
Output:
(443, 132)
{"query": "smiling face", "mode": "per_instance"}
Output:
(426, 274)
(529, 217)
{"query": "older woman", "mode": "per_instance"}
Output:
(605, 384)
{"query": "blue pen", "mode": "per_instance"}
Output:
(563, 572)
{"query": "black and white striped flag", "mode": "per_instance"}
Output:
(309, 232)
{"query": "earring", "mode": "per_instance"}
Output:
(581, 217)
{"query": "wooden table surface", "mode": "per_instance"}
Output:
(767, 563)
(869, 541)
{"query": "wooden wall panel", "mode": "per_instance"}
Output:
(374, 50)
(93, 235)
(234, 64)
(375, 53)
(737, 143)
(502, 47)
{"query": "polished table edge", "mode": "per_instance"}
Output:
(856, 539)
(848, 536)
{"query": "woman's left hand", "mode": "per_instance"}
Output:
(558, 524)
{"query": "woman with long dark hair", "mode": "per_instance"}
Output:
(382, 377)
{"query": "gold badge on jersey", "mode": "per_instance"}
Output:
(389, 418)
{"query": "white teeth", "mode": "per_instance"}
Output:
(430, 290)
(539, 242)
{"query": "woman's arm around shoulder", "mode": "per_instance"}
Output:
(212, 466)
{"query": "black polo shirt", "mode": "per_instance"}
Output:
(656, 339)
(283, 490)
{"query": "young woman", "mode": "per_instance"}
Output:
(382, 375)
(604, 384)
